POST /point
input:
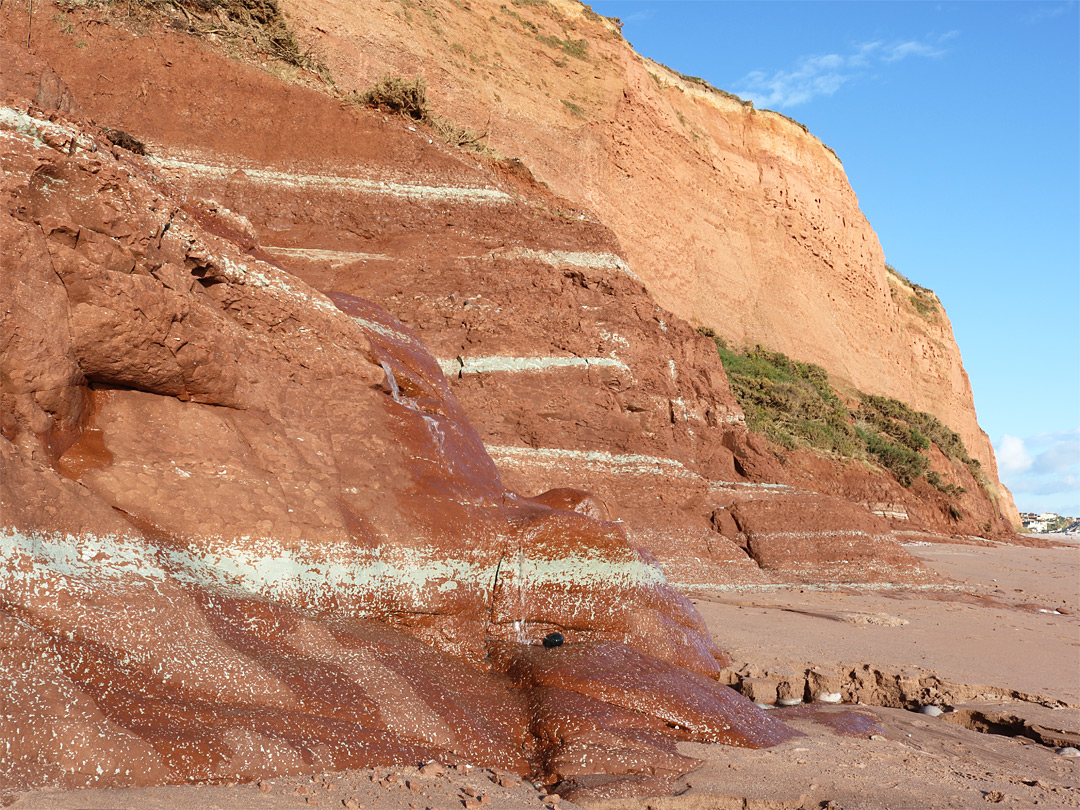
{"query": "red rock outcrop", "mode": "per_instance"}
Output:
(734, 218)
(209, 430)
(248, 529)
(572, 373)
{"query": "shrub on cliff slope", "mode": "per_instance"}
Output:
(790, 402)
(394, 94)
(248, 25)
(408, 97)
(922, 299)
(794, 404)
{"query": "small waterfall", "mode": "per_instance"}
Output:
(435, 428)
(522, 635)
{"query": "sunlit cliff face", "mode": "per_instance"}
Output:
(247, 528)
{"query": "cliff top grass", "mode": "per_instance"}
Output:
(922, 299)
(257, 26)
(794, 404)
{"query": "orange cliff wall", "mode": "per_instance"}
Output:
(735, 218)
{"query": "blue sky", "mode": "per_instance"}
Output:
(957, 123)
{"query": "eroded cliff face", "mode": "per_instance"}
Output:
(734, 218)
(216, 448)
(248, 529)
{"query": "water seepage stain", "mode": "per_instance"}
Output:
(88, 451)
(691, 704)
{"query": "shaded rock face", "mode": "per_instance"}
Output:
(247, 528)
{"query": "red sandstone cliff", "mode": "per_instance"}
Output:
(734, 218)
(215, 449)
(247, 528)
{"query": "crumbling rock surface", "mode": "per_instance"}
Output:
(247, 528)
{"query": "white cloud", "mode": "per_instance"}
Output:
(1061, 456)
(1048, 11)
(823, 75)
(1012, 455)
(1042, 470)
(639, 16)
(900, 50)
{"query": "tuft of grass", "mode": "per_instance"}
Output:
(527, 24)
(936, 481)
(922, 299)
(260, 22)
(574, 108)
(254, 25)
(893, 271)
(925, 305)
(408, 98)
(571, 47)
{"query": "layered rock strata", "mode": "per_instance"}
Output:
(734, 218)
(247, 528)
(209, 430)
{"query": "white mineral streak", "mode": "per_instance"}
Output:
(331, 256)
(37, 128)
(567, 258)
(891, 512)
(339, 183)
(484, 365)
(827, 533)
(265, 567)
(617, 463)
(622, 463)
(743, 485)
(383, 329)
(256, 273)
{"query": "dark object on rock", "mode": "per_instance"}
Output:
(553, 640)
(118, 137)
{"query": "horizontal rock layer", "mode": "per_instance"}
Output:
(735, 218)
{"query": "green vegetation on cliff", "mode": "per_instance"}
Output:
(793, 404)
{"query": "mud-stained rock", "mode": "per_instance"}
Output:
(580, 735)
(613, 673)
